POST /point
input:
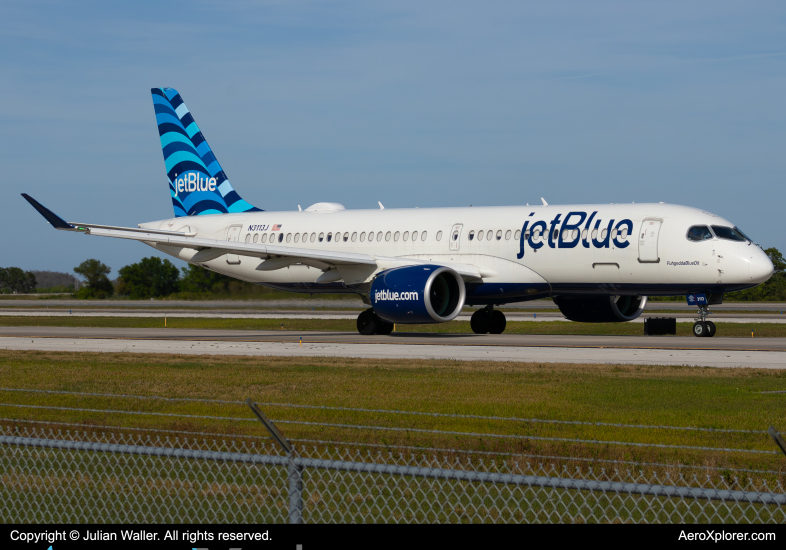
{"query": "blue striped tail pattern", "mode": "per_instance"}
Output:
(197, 183)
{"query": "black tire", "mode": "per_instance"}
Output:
(498, 322)
(480, 322)
(368, 323)
(699, 329)
(384, 327)
(711, 329)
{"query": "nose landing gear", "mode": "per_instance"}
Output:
(702, 327)
(488, 321)
(370, 323)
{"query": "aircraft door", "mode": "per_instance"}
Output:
(232, 235)
(648, 241)
(455, 236)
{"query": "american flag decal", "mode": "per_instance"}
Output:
(277, 227)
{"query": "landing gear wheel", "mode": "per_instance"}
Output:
(384, 327)
(480, 322)
(700, 329)
(368, 322)
(498, 322)
(710, 329)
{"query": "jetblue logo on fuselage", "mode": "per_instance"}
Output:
(193, 181)
(575, 228)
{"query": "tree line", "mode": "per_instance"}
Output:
(156, 278)
(15, 281)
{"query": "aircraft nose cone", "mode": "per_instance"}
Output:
(760, 267)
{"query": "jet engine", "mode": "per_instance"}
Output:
(601, 309)
(418, 294)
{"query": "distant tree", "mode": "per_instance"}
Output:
(14, 280)
(98, 284)
(54, 279)
(200, 280)
(149, 278)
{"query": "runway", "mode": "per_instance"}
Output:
(350, 315)
(640, 350)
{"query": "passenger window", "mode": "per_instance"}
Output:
(379, 236)
(255, 238)
(414, 235)
(556, 234)
(565, 234)
(396, 235)
(354, 236)
(480, 235)
(526, 235)
(699, 233)
(507, 235)
(289, 237)
(471, 234)
(363, 236)
(728, 233)
(313, 237)
(330, 236)
(499, 234)
(595, 234)
(603, 234)
(263, 238)
(423, 235)
(280, 237)
(248, 237)
(455, 235)
(346, 236)
(387, 236)
(613, 233)
(439, 235)
(405, 236)
(536, 234)
(321, 237)
(575, 235)
(297, 237)
(584, 235)
(624, 233)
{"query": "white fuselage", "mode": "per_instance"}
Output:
(649, 253)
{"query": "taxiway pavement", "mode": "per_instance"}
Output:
(721, 352)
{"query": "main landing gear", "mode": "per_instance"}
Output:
(370, 323)
(488, 321)
(702, 327)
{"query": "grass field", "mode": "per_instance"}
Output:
(742, 330)
(673, 396)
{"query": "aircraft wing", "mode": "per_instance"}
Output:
(275, 256)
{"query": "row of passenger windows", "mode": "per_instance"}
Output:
(379, 236)
(571, 235)
(345, 236)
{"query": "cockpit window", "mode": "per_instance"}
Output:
(728, 233)
(738, 230)
(699, 233)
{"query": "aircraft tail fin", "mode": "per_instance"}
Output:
(197, 182)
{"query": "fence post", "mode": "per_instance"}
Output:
(294, 472)
(778, 439)
(295, 492)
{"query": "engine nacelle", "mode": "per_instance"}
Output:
(418, 294)
(601, 309)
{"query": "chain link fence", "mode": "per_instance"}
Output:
(113, 476)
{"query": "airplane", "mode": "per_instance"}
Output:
(598, 262)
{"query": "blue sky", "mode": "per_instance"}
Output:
(409, 103)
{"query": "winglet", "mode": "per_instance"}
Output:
(56, 221)
(544, 201)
